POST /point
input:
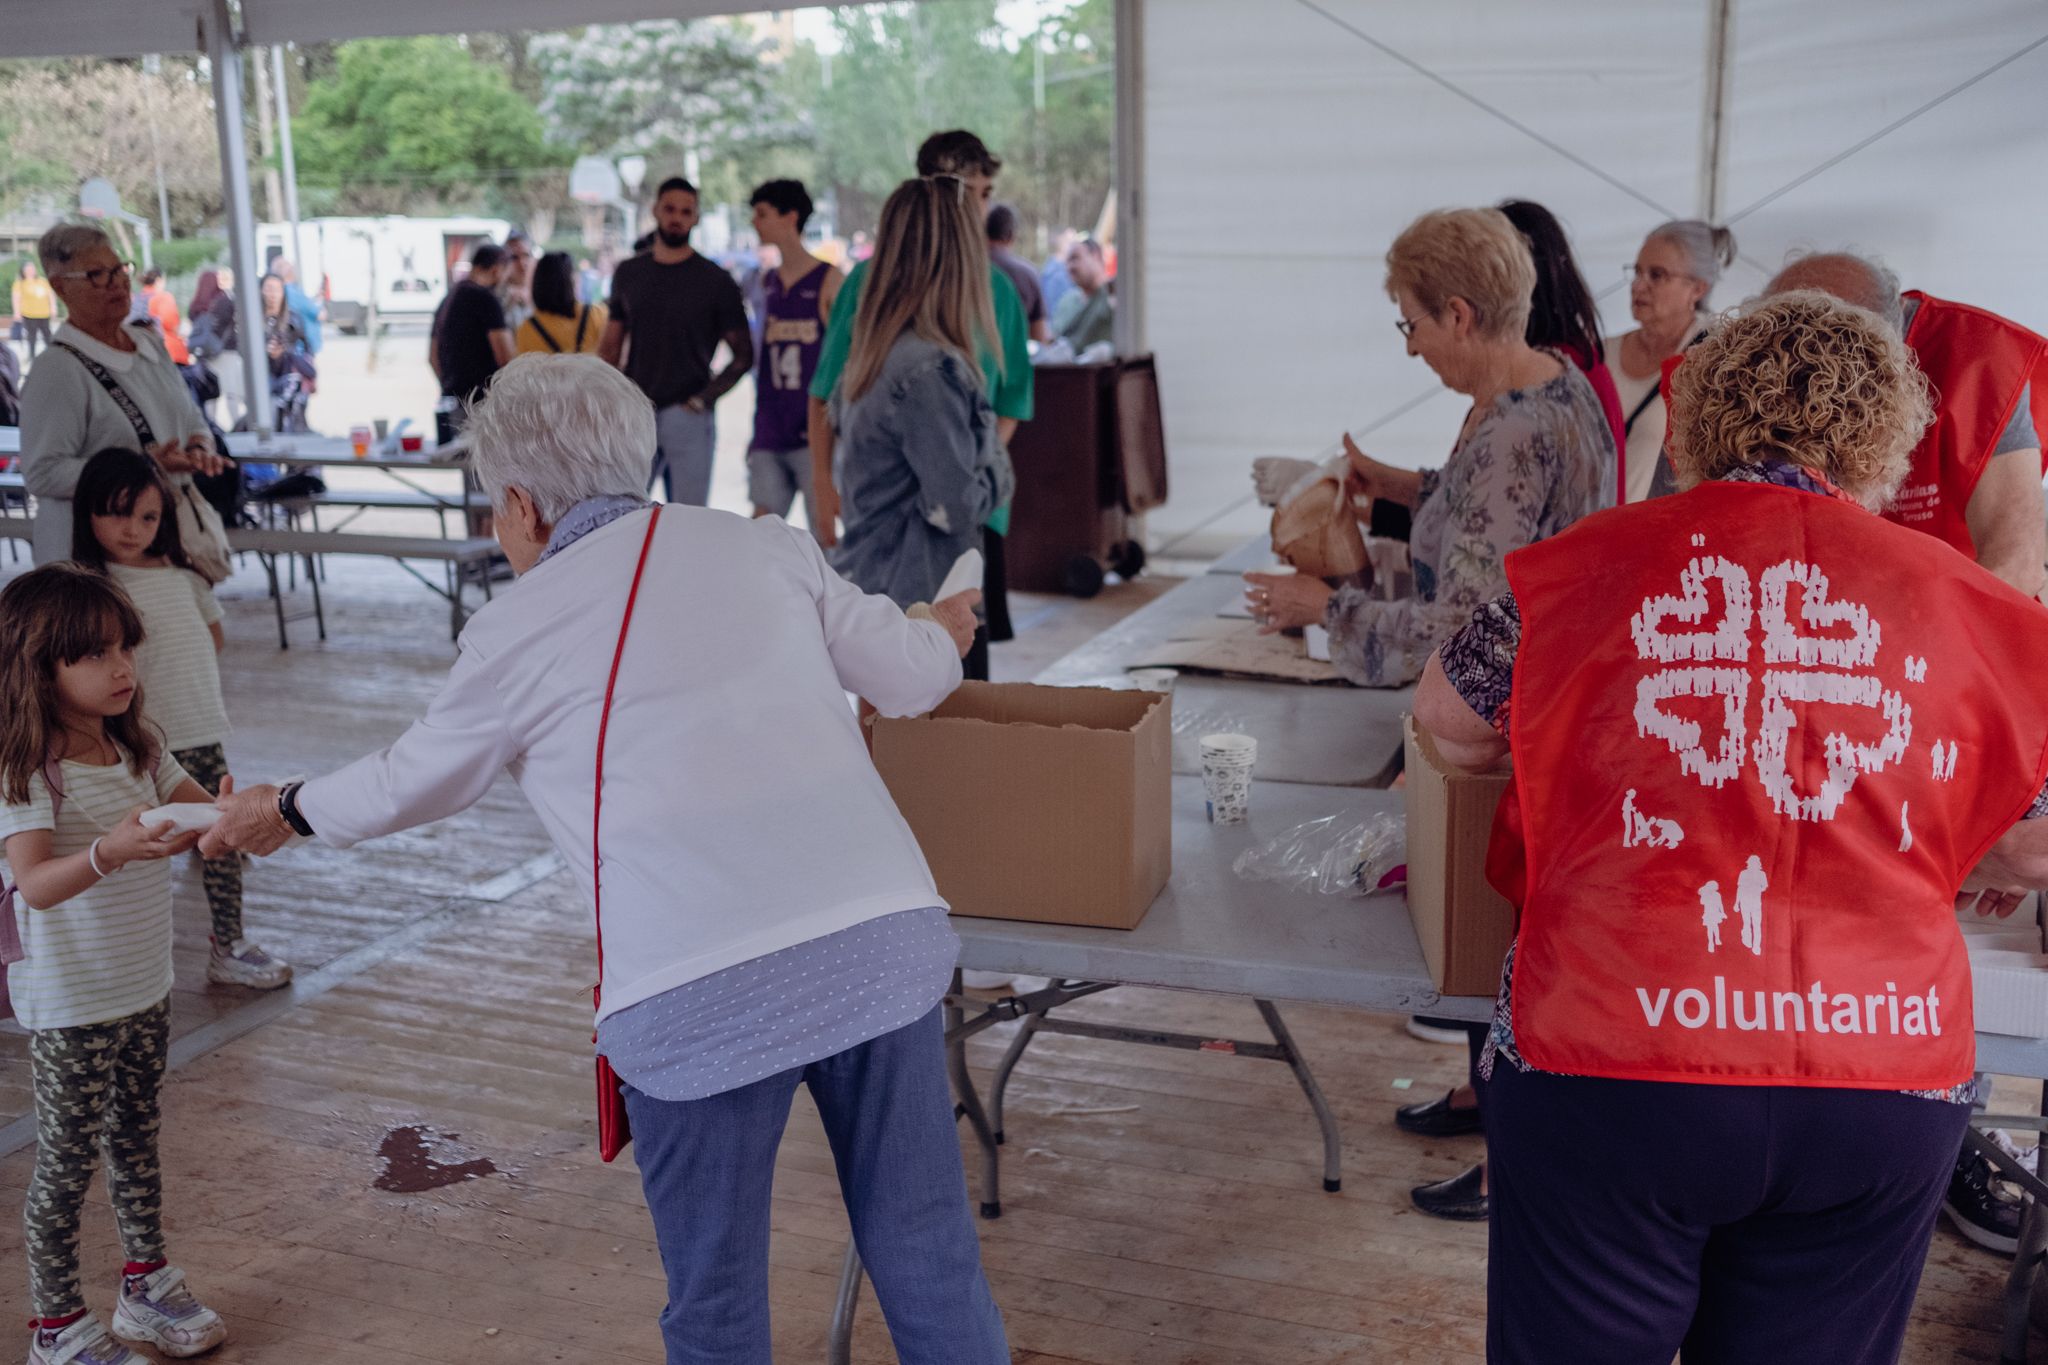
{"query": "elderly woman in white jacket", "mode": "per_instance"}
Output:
(768, 919)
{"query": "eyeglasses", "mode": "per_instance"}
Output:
(98, 279)
(1406, 326)
(1657, 275)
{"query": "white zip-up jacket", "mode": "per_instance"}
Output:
(742, 814)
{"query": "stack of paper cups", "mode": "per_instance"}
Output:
(1227, 776)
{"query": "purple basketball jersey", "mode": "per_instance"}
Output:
(792, 334)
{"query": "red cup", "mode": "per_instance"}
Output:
(411, 444)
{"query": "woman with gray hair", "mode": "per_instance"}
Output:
(771, 921)
(1669, 283)
(105, 382)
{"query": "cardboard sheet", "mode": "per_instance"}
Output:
(1235, 649)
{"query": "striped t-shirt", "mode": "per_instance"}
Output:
(177, 664)
(106, 952)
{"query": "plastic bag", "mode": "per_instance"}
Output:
(1334, 856)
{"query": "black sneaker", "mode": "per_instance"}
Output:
(1462, 1198)
(1979, 1209)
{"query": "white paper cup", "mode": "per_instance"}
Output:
(1227, 761)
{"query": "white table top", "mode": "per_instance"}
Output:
(336, 450)
(1211, 930)
(1335, 736)
(1254, 556)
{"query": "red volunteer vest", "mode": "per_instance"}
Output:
(1759, 737)
(1979, 364)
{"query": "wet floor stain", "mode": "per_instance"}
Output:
(417, 1158)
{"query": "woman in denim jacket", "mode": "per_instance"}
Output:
(918, 465)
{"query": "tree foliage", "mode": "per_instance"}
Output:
(677, 93)
(62, 123)
(405, 119)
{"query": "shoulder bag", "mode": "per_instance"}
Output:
(614, 1130)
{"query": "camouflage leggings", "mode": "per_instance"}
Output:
(95, 1084)
(207, 765)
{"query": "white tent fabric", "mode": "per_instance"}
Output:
(1287, 143)
(1284, 143)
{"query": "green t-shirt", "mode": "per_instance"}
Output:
(1009, 393)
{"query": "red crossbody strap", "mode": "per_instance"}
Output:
(604, 721)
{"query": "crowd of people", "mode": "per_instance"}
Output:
(1828, 500)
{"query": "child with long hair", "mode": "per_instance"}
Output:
(124, 524)
(918, 465)
(78, 767)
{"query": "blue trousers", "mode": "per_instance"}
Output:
(1728, 1224)
(684, 444)
(708, 1167)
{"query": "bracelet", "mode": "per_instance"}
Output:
(92, 860)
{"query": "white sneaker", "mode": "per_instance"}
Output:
(1435, 1033)
(159, 1309)
(985, 981)
(84, 1342)
(247, 964)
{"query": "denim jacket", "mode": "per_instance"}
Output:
(918, 469)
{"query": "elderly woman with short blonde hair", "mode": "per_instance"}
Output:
(1535, 452)
(1760, 736)
(105, 382)
(767, 920)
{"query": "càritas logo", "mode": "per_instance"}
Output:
(1813, 648)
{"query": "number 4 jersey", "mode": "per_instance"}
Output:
(792, 333)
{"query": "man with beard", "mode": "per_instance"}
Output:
(670, 308)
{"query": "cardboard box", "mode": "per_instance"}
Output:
(1464, 924)
(1051, 804)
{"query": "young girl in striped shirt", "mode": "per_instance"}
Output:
(78, 767)
(124, 523)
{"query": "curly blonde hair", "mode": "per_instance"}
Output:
(1806, 378)
(1471, 254)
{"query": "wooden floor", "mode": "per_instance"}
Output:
(1160, 1208)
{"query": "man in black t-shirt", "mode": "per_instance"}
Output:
(471, 342)
(670, 309)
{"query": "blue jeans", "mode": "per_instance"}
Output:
(684, 442)
(708, 1167)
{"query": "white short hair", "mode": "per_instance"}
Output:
(563, 428)
(66, 242)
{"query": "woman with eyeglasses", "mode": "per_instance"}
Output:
(1669, 284)
(104, 382)
(1534, 455)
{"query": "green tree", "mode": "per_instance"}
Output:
(680, 94)
(903, 72)
(404, 122)
(1063, 161)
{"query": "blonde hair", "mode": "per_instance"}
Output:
(1470, 254)
(1806, 378)
(929, 276)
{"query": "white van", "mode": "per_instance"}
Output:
(402, 265)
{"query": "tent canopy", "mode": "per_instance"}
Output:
(1270, 150)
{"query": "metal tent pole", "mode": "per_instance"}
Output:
(289, 164)
(1714, 119)
(224, 55)
(1129, 321)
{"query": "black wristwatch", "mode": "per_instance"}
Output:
(288, 807)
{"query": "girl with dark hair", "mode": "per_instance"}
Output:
(79, 764)
(559, 325)
(1562, 314)
(123, 527)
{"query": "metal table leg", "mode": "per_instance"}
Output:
(968, 1104)
(1025, 1032)
(839, 1345)
(1333, 1152)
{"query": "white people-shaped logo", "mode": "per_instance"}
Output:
(1821, 652)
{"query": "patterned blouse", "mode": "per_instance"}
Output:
(1538, 461)
(1479, 662)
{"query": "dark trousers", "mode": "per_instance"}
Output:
(1633, 1220)
(995, 588)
